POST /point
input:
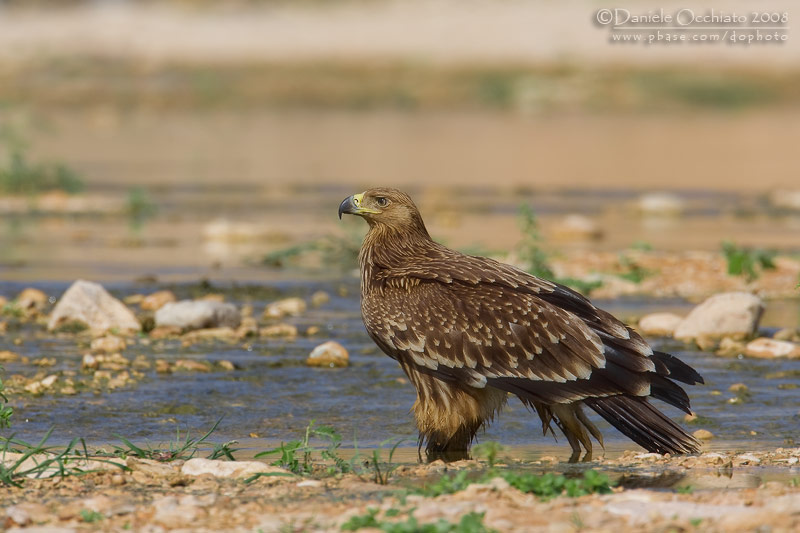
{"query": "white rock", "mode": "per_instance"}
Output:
(92, 305)
(766, 348)
(660, 203)
(659, 324)
(729, 314)
(577, 227)
(285, 307)
(787, 199)
(198, 314)
(328, 354)
(232, 469)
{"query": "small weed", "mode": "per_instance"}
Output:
(695, 522)
(447, 484)
(90, 516)
(224, 450)
(633, 271)
(182, 448)
(490, 451)
(329, 250)
(684, 489)
(747, 262)
(296, 456)
(5, 410)
(41, 461)
(381, 472)
(642, 246)
(549, 485)
(530, 250)
(139, 208)
(469, 523)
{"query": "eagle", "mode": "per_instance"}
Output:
(468, 331)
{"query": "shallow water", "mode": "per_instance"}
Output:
(273, 395)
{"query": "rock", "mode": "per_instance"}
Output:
(659, 324)
(108, 344)
(165, 332)
(22, 514)
(230, 469)
(329, 354)
(765, 348)
(577, 228)
(320, 298)
(703, 434)
(248, 327)
(31, 298)
(730, 348)
(89, 303)
(660, 203)
(190, 365)
(198, 314)
(157, 300)
(224, 334)
(787, 334)
(730, 314)
(285, 307)
(8, 357)
(312, 330)
(786, 199)
(739, 388)
(278, 330)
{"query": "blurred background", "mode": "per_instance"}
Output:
(179, 139)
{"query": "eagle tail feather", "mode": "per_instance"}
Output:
(669, 365)
(644, 424)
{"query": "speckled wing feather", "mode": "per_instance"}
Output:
(481, 322)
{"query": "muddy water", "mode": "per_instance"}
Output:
(272, 396)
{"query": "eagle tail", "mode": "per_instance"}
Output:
(644, 424)
(674, 368)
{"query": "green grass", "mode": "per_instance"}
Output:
(90, 516)
(5, 410)
(546, 486)
(182, 448)
(747, 262)
(48, 461)
(469, 523)
(633, 271)
(20, 175)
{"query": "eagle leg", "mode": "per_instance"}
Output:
(573, 423)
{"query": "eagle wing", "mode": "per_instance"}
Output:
(480, 322)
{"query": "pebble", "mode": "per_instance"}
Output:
(329, 354)
(230, 469)
(320, 298)
(285, 307)
(7, 356)
(660, 204)
(730, 314)
(738, 387)
(190, 365)
(31, 298)
(703, 434)
(157, 300)
(89, 303)
(659, 324)
(766, 348)
(576, 227)
(278, 330)
(198, 314)
(108, 344)
(225, 333)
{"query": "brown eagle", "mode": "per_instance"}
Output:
(469, 330)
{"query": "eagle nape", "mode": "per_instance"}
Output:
(468, 331)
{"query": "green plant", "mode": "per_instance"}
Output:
(684, 489)
(40, 461)
(5, 410)
(330, 250)
(296, 456)
(530, 250)
(382, 471)
(90, 516)
(182, 448)
(549, 485)
(469, 523)
(447, 484)
(633, 271)
(139, 208)
(489, 450)
(747, 262)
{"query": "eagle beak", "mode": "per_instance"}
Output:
(352, 206)
(348, 206)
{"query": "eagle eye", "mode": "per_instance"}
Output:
(381, 201)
